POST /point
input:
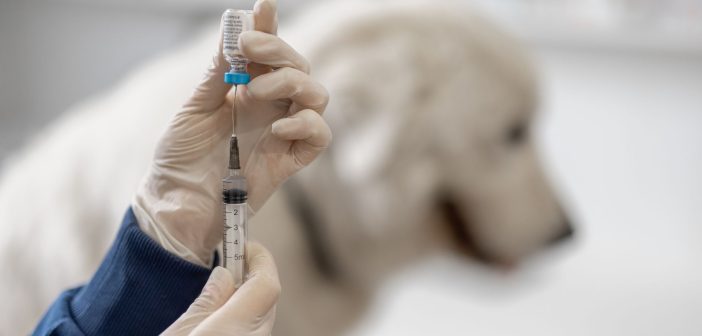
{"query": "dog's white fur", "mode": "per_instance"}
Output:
(423, 100)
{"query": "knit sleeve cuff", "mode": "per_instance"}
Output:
(140, 288)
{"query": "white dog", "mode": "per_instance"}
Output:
(431, 110)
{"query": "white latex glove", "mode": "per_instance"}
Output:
(222, 309)
(279, 127)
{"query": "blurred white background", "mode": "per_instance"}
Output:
(621, 133)
(53, 53)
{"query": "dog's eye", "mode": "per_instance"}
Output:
(517, 134)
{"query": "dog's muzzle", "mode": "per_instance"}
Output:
(466, 242)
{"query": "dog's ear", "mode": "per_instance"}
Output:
(364, 151)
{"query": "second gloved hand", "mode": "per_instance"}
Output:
(222, 309)
(278, 125)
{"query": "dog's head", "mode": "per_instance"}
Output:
(432, 109)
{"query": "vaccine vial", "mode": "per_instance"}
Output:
(235, 22)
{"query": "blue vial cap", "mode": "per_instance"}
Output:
(237, 78)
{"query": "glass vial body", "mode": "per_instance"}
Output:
(235, 22)
(235, 229)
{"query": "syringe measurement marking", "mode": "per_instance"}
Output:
(235, 227)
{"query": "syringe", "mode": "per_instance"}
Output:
(234, 195)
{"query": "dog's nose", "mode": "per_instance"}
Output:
(566, 233)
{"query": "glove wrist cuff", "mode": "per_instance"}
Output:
(156, 231)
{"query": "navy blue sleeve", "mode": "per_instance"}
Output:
(139, 289)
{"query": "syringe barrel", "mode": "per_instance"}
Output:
(234, 196)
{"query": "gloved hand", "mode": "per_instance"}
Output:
(279, 128)
(222, 309)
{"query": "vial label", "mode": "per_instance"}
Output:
(233, 24)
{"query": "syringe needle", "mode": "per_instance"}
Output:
(236, 88)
